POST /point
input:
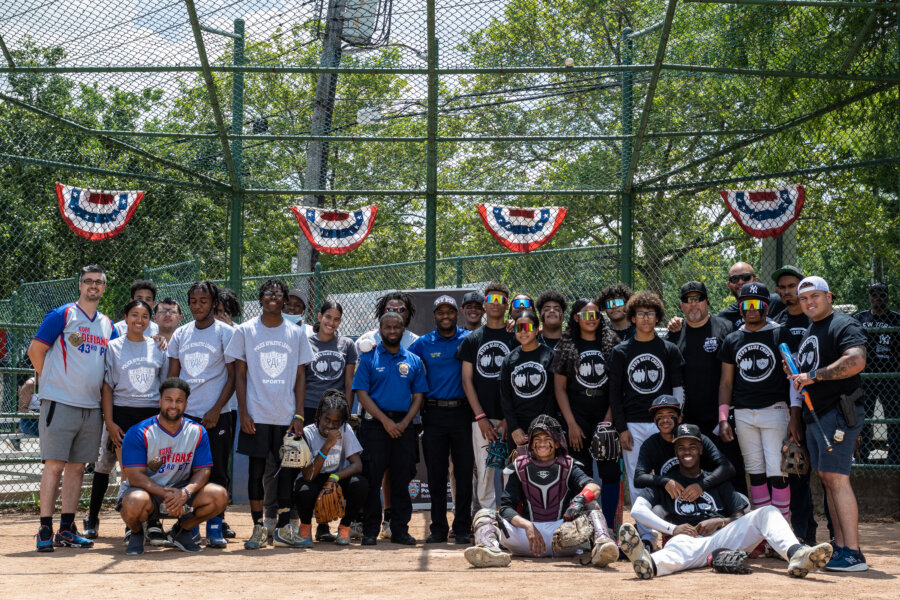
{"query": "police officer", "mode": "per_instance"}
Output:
(447, 421)
(390, 384)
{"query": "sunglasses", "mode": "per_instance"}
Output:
(271, 294)
(878, 294)
(588, 315)
(693, 300)
(495, 299)
(521, 303)
(745, 277)
(395, 309)
(615, 302)
(753, 304)
(529, 327)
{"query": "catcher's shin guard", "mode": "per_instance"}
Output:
(604, 550)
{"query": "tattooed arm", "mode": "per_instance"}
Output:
(851, 362)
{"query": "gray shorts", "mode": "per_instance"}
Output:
(69, 433)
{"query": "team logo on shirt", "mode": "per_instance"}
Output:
(670, 464)
(75, 340)
(273, 363)
(403, 368)
(142, 378)
(710, 344)
(328, 365)
(489, 358)
(808, 355)
(755, 361)
(195, 363)
(646, 373)
(413, 489)
(591, 369)
(704, 505)
(529, 379)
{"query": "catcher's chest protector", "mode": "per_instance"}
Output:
(544, 487)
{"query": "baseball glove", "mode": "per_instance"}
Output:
(572, 534)
(794, 458)
(497, 451)
(605, 443)
(330, 504)
(723, 560)
(295, 452)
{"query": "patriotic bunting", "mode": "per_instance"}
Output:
(522, 229)
(95, 214)
(765, 213)
(335, 231)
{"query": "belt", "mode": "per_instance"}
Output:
(451, 403)
(394, 415)
(593, 391)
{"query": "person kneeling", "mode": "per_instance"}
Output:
(166, 461)
(709, 525)
(336, 462)
(556, 495)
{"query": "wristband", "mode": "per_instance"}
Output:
(588, 495)
(334, 476)
(723, 412)
(300, 417)
(319, 452)
(480, 417)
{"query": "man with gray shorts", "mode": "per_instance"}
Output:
(68, 355)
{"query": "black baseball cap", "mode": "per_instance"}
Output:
(754, 289)
(666, 401)
(787, 270)
(692, 287)
(686, 431)
(472, 297)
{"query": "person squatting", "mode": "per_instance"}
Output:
(537, 403)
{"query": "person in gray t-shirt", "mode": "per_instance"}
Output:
(334, 359)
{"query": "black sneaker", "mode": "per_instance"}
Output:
(44, 539)
(463, 539)
(228, 532)
(435, 539)
(90, 528)
(183, 539)
(155, 534)
(404, 539)
(369, 540)
(135, 544)
(323, 533)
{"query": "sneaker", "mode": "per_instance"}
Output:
(808, 558)
(436, 539)
(44, 539)
(90, 528)
(127, 537)
(486, 556)
(386, 530)
(463, 539)
(369, 540)
(404, 539)
(287, 537)
(356, 532)
(343, 536)
(183, 539)
(70, 538)
(227, 531)
(135, 544)
(270, 526)
(155, 534)
(847, 560)
(195, 535)
(257, 538)
(323, 533)
(214, 537)
(604, 553)
(635, 551)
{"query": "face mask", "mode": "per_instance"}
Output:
(295, 319)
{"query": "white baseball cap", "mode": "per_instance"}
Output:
(811, 284)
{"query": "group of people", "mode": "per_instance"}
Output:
(696, 413)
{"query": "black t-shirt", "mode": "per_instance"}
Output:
(526, 386)
(733, 311)
(656, 462)
(759, 380)
(793, 326)
(717, 502)
(639, 372)
(549, 342)
(624, 334)
(882, 348)
(702, 369)
(514, 496)
(486, 348)
(588, 390)
(825, 341)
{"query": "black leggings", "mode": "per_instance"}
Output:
(306, 493)
(284, 478)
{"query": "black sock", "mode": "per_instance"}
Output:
(387, 515)
(47, 522)
(66, 520)
(793, 549)
(284, 517)
(256, 515)
(98, 491)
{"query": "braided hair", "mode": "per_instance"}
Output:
(567, 357)
(333, 400)
(210, 288)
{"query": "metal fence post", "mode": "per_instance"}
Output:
(236, 246)
(627, 244)
(459, 273)
(317, 285)
(431, 154)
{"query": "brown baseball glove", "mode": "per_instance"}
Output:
(572, 534)
(330, 504)
(794, 458)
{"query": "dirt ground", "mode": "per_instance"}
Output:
(388, 570)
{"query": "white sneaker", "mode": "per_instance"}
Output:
(486, 556)
(257, 538)
(287, 537)
(808, 558)
(386, 530)
(631, 545)
(604, 553)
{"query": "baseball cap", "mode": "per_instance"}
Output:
(692, 287)
(298, 294)
(787, 270)
(813, 283)
(666, 401)
(754, 289)
(878, 285)
(472, 297)
(687, 430)
(445, 299)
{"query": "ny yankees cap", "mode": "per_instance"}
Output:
(787, 270)
(694, 287)
(472, 297)
(754, 289)
(445, 299)
(666, 401)
(687, 430)
(811, 284)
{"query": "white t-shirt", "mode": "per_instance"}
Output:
(201, 353)
(336, 459)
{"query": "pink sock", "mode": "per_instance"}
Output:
(759, 495)
(781, 499)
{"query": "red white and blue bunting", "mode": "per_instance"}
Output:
(335, 231)
(96, 214)
(522, 229)
(765, 213)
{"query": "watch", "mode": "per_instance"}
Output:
(812, 374)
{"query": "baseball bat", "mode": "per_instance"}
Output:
(795, 369)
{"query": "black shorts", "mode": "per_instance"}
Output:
(159, 510)
(267, 440)
(127, 417)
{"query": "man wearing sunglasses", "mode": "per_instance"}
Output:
(882, 356)
(740, 274)
(612, 300)
(482, 353)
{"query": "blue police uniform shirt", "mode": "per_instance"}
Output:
(390, 379)
(442, 368)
